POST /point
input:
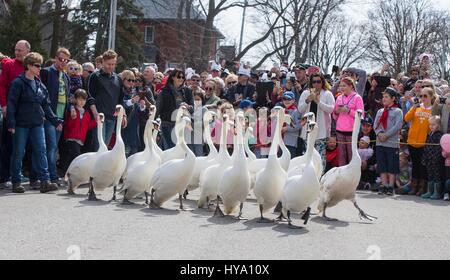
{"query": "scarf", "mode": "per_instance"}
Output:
(384, 117)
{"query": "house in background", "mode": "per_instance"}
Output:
(168, 41)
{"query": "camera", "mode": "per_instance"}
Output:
(442, 99)
(293, 80)
(416, 101)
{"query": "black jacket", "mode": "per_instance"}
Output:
(166, 102)
(107, 90)
(247, 92)
(27, 107)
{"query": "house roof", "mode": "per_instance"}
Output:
(162, 9)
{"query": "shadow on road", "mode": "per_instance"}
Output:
(284, 228)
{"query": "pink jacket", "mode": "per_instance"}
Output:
(344, 121)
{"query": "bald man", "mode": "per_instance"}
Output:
(11, 69)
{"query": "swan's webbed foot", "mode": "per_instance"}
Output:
(363, 215)
(92, 196)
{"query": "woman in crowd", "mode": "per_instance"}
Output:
(320, 101)
(418, 117)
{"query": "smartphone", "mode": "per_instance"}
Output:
(442, 99)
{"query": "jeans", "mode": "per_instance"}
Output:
(167, 137)
(73, 151)
(108, 129)
(51, 140)
(292, 150)
(39, 153)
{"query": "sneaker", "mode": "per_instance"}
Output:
(390, 191)
(382, 190)
(24, 179)
(35, 185)
(48, 187)
(446, 197)
(18, 188)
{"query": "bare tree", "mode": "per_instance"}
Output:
(401, 30)
(339, 43)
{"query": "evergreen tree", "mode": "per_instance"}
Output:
(20, 24)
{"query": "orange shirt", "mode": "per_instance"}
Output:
(419, 128)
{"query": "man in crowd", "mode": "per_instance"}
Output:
(88, 69)
(106, 87)
(11, 69)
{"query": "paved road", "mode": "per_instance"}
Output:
(56, 226)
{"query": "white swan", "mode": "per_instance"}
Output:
(141, 157)
(201, 163)
(110, 165)
(139, 178)
(302, 190)
(172, 177)
(234, 185)
(297, 164)
(158, 149)
(209, 179)
(80, 169)
(340, 183)
(177, 152)
(257, 165)
(270, 181)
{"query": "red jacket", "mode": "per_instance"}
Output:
(11, 69)
(76, 128)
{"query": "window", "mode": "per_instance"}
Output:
(149, 34)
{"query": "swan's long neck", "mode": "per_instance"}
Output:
(240, 153)
(119, 125)
(249, 152)
(276, 139)
(147, 134)
(101, 143)
(310, 147)
(356, 159)
(190, 156)
(223, 140)
(178, 126)
(207, 135)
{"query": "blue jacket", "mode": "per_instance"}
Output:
(50, 78)
(26, 107)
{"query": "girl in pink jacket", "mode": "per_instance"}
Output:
(344, 113)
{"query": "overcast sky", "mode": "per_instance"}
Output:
(229, 22)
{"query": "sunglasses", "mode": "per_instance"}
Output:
(73, 69)
(180, 77)
(424, 86)
(195, 80)
(209, 89)
(131, 81)
(232, 83)
(423, 96)
(317, 81)
(63, 60)
(37, 66)
(90, 72)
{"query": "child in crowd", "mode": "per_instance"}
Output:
(403, 179)
(432, 159)
(332, 154)
(74, 70)
(76, 127)
(366, 153)
(388, 123)
(291, 133)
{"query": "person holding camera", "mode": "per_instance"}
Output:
(358, 75)
(131, 101)
(320, 101)
(441, 108)
(418, 117)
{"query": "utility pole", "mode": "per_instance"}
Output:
(242, 26)
(112, 25)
